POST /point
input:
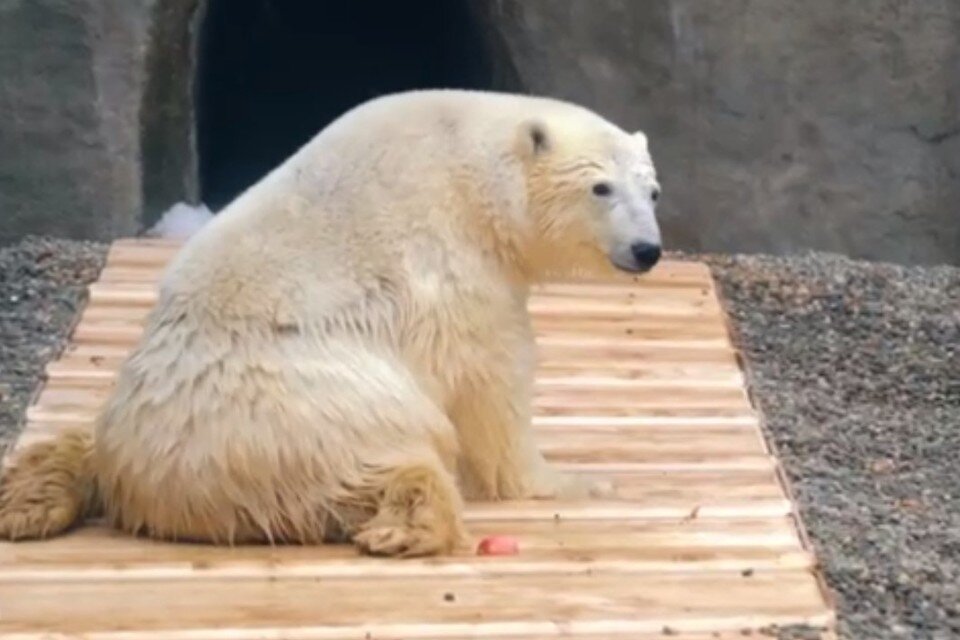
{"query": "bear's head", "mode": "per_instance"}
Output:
(592, 195)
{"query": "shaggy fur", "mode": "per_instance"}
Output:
(344, 352)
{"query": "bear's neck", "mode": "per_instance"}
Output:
(505, 248)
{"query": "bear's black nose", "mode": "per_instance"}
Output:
(645, 254)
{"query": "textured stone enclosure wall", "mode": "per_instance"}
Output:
(777, 125)
(96, 114)
(70, 76)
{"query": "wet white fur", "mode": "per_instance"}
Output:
(358, 318)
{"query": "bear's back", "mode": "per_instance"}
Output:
(335, 213)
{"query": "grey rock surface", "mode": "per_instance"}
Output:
(43, 287)
(69, 99)
(89, 115)
(856, 368)
(778, 126)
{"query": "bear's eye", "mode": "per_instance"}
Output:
(602, 189)
(655, 195)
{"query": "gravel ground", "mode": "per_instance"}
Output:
(855, 365)
(42, 282)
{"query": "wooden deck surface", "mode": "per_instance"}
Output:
(638, 379)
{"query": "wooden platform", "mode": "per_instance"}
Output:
(638, 379)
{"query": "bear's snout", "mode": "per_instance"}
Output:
(645, 254)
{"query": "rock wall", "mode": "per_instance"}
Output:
(777, 125)
(68, 164)
(96, 121)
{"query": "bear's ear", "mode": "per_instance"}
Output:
(534, 138)
(641, 138)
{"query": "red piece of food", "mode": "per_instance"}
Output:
(498, 546)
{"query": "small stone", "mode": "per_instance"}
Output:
(882, 465)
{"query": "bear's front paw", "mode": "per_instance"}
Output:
(400, 541)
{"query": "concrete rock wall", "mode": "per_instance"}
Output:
(777, 125)
(95, 120)
(68, 160)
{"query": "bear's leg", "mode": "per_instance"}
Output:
(419, 512)
(49, 487)
(501, 459)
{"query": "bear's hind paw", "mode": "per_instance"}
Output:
(400, 541)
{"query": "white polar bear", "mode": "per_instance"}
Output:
(344, 352)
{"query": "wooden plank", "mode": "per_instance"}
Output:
(603, 351)
(631, 346)
(85, 370)
(116, 333)
(643, 304)
(155, 254)
(741, 429)
(635, 426)
(122, 278)
(140, 254)
(123, 294)
(137, 297)
(133, 274)
(638, 423)
(739, 486)
(620, 288)
(307, 634)
(653, 401)
(146, 241)
(96, 350)
(744, 462)
(85, 416)
(137, 278)
(668, 633)
(598, 446)
(594, 510)
(604, 444)
(603, 348)
(603, 459)
(132, 303)
(125, 332)
(650, 328)
(421, 607)
(62, 400)
(674, 273)
(677, 546)
(600, 391)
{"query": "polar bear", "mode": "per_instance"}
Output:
(344, 352)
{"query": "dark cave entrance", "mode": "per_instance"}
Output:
(272, 73)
